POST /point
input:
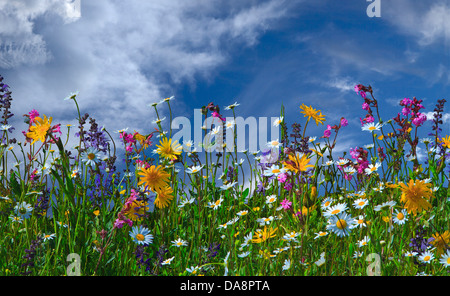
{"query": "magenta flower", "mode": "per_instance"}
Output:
(217, 115)
(406, 111)
(327, 132)
(286, 204)
(419, 119)
(33, 114)
(288, 186)
(282, 177)
(344, 122)
(365, 106)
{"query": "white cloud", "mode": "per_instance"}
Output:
(19, 44)
(445, 117)
(121, 55)
(426, 20)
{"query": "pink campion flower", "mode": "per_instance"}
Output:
(282, 177)
(129, 148)
(369, 119)
(347, 177)
(217, 115)
(354, 153)
(405, 102)
(286, 204)
(288, 186)
(344, 122)
(120, 222)
(406, 111)
(365, 106)
(32, 115)
(419, 119)
(327, 132)
(363, 94)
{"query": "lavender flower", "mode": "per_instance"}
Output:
(30, 255)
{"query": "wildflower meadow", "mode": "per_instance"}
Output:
(165, 207)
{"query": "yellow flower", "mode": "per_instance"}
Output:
(386, 219)
(445, 141)
(415, 196)
(169, 150)
(263, 235)
(39, 131)
(153, 177)
(441, 241)
(312, 113)
(164, 197)
(298, 163)
(306, 211)
(137, 210)
(96, 212)
(143, 140)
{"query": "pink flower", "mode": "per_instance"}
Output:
(405, 102)
(121, 221)
(33, 114)
(365, 106)
(369, 119)
(286, 204)
(327, 132)
(420, 119)
(288, 186)
(406, 111)
(344, 122)
(217, 115)
(282, 177)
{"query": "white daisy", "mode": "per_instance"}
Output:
(371, 127)
(341, 224)
(278, 121)
(400, 217)
(360, 203)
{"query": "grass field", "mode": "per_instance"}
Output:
(158, 209)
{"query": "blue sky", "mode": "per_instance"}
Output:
(123, 55)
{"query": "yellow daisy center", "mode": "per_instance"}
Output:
(337, 211)
(341, 224)
(140, 237)
(400, 216)
(91, 156)
(426, 258)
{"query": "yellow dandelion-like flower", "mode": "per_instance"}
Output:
(153, 177)
(164, 196)
(39, 131)
(441, 241)
(298, 162)
(445, 141)
(137, 210)
(143, 140)
(168, 149)
(415, 196)
(312, 113)
(263, 235)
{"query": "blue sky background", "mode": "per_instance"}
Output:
(123, 55)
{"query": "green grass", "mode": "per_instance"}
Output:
(218, 241)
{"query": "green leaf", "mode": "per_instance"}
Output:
(245, 193)
(15, 186)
